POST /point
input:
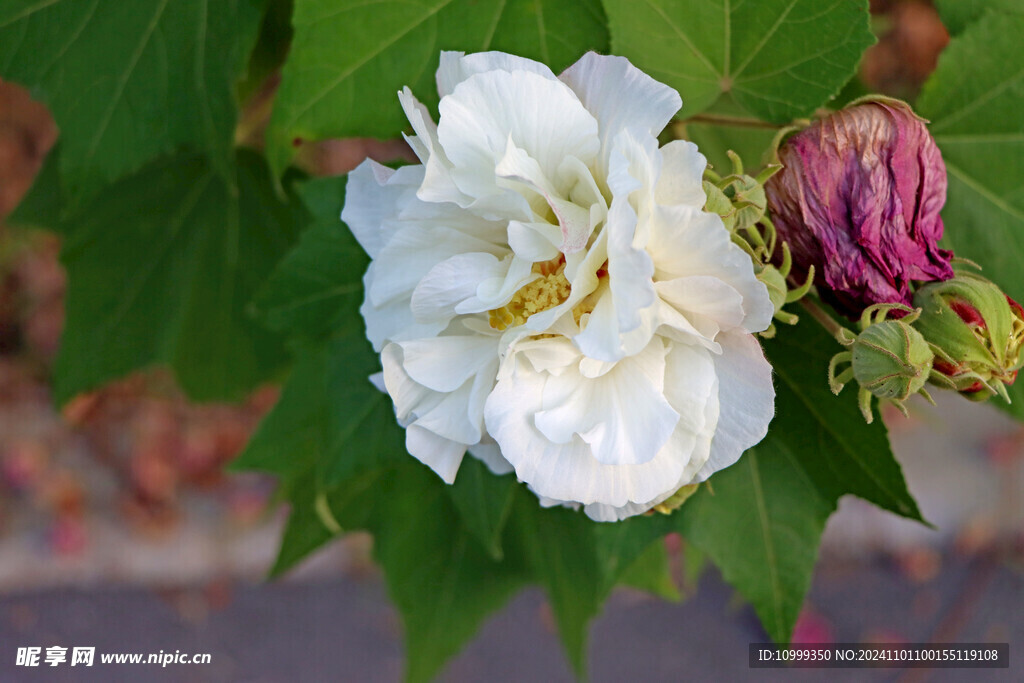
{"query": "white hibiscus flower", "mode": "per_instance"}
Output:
(547, 293)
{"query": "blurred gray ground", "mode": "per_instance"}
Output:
(345, 630)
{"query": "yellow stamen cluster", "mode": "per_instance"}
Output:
(547, 291)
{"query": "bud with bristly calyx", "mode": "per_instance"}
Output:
(889, 359)
(741, 202)
(859, 199)
(976, 331)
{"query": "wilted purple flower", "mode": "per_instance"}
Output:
(859, 198)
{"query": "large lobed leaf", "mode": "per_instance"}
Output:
(974, 101)
(959, 14)
(779, 59)
(350, 57)
(761, 520)
(161, 268)
(130, 81)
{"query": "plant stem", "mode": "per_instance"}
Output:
(725, 120)
(823, 318)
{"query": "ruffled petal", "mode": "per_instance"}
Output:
(708, 303)
(682, 175)
(442, 455)
(439, 386)
(412, 253)
(540, 116)
(392, 320)
(446, 363)
(489, 454)
(455, 281)
(622, 413)
(568, 471)
(620, 96)
(746, 400)
(374, 195)
(456, 67)
(686, 241)
(630, 315)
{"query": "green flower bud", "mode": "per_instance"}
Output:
(889, 359)
(738, 198)
(719, 203)
(976, 331)
(775, 282)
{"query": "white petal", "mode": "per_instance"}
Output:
(489, 454)
(690, 383)
(456, 67)
(746, 400)
(439, 454)
(534, 242)
(630, 267)
(451, 282)
(412, 253)
(707, 302)
(540, 115)
(393, 320)
(446, 363)
(573, 220)
(437, 184)
(496, 291)
(682, 174)
(552, 356)
(440, 384)
(621, 413)
(581, 271)
(686, 242)
(566, 472)
(621, 96)
(374, 195)
(601, 338)
(404, 391)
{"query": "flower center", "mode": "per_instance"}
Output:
(547, 291)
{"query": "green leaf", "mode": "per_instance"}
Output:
(318, 287)
(761, 526)
(161, 267)
(779, 59)
(826, 434)
(618, 545)
(349, 57)
(761, 519)
(130, 81)
(272, 42)
(442, 581)
(484, 501)
(329, 418)
(43, 205)
(694, 564)
(557, 545)
(959, 14)
(974, 100)
(752, 144)
(334, 442)
(652, 573)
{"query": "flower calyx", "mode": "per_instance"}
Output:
(676, 500)
(976, 332)
(889, 359)
(741, 202)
